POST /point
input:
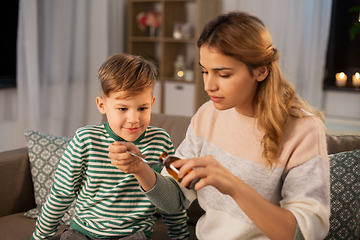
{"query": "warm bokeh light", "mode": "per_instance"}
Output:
(341, 79)
(356, 79)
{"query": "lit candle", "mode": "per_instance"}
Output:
(341, 79)
(356, 79)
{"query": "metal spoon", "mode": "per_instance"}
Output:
(146, 161)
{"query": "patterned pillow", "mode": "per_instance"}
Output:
(45, 152)
(345, 195)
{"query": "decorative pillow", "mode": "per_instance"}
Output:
(345, 195)
(45, 152)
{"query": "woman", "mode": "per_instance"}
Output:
(259, 148)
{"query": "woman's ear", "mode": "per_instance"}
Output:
(100, 105)
(261, 73)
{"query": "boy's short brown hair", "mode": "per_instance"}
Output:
(130, 73)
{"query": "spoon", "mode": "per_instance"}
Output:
(146, 161)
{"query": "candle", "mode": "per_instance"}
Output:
(341, 79)
(356, 79)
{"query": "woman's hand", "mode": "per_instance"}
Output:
(269, 218)
(123, 160)
(209, 170)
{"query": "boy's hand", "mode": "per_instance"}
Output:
(123, 160)
(130, 164)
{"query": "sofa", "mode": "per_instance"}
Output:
(17, 187)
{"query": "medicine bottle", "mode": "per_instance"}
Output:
(167, 161)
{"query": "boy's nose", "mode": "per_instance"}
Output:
(133, 117)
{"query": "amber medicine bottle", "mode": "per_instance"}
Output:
(167, 161)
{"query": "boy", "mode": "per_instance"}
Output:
(110, 204)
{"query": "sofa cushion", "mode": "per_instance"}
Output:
(18, 227)
(45, 152)
(175, 126)
(16, 187)
(345, 195)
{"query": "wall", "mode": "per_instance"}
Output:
(342, 111)
(11, 137)
(8, 120)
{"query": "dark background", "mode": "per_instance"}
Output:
(8, 37)
(343, 54)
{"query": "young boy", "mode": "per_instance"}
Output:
(110, 203)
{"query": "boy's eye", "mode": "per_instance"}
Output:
(122, 109)
(143, 108)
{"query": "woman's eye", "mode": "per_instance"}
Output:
(224, 76)
(204, 72)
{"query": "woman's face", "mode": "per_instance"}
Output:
(228, 81)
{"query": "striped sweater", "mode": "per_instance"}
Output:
(299, 182)
(109, 202)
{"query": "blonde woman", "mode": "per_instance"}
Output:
(259, 148)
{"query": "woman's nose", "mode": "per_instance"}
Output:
(210, 83)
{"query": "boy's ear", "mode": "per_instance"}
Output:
(100, 105)
(152, 101)
(261, 73)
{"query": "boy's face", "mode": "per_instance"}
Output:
(128, 117)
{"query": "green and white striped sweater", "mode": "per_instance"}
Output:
(109, 202)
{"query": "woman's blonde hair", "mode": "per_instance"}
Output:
(245, 38)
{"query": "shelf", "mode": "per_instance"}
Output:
(177, 0)
(163, 39)
(167, 79)
(146, 1)
(163, 49)
(179, 40)
(145, 39)
(347, 88)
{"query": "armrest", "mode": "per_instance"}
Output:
(342, 143)
(16, 186)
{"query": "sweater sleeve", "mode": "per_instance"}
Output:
(306, 178)
(167, 195)
(177, 221)
(63, 191)
(306, 192)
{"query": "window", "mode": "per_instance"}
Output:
(343, 54)
(8, 26)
